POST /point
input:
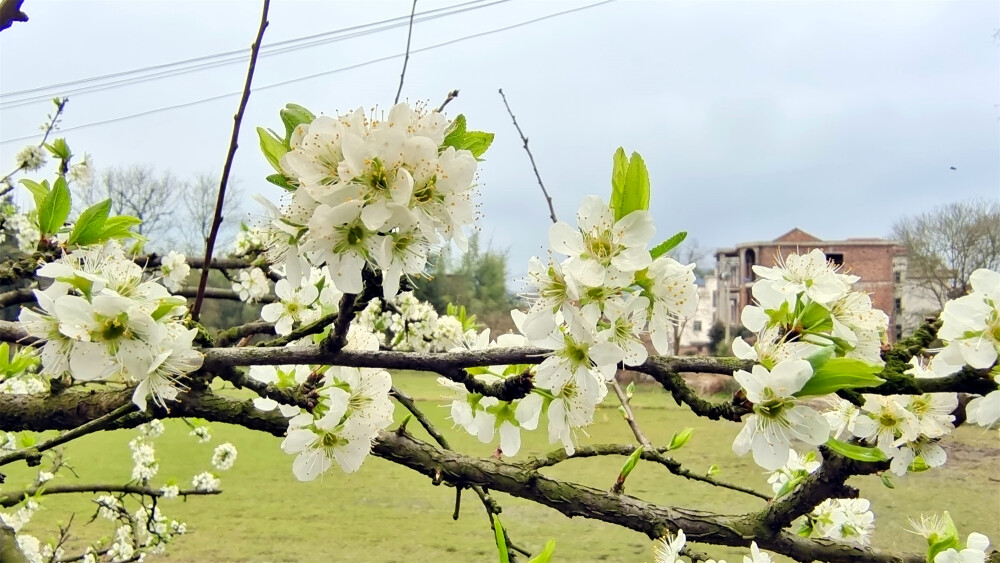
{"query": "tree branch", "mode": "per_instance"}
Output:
(406, 58)
(13, 498)
(233, 143)
(531, 157)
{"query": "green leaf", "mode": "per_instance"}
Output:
(546, 555)
(816, 317)
(59, 149)
(455, 132)
(619, 170)
(476, 142)
(841, 373)
(90, 224)
(668, 245)
(713, 469)
(887, 481)
(280, 181)
(630, 390)
(501, 541)
(38, 191)
(859, 453)
(678, 440)
(636, 187)
(630, 463)
(55, 208)
(119, 227)
(272, 147)
(292, 116)
(818, 359)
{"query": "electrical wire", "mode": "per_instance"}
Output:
(240, 56)
(241, 52)
(319, 74)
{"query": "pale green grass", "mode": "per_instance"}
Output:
(388, 513)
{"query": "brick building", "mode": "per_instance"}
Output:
(876, 260)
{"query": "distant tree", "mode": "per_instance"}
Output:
(477, 280)
(199, 204)
(172, 210)
(946, 245)
(138, 191)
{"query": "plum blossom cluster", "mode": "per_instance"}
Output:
(971, 328)
(370, 192)
(847, 520)
(778, 416)
(22, 227)
(175, 270)
(354, 407)
(303, 302)
(668, 549)
(591, 309)
(102, 320)
(483, 416)
(805, 304)
(906, 428)
(406, 323)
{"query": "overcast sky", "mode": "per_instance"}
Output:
(753, 117)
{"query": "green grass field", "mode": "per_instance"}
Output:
(387, 513)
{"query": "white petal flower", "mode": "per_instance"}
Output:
(777, 419)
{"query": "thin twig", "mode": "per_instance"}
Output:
(406, 58)
(48, 128)
(489, 504)
(13, 498)
(451, 96)
(82, 430)
(630, 416)
(552, 211)
(233, 143)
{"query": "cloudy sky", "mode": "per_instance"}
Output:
(753, 117)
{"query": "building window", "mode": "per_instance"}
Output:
(898, 305)
(899, 332)
(897, 276)
(697, 326)
(837, 259)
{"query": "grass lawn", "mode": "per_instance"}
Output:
(388, 513)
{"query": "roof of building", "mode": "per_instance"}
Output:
(798, 236)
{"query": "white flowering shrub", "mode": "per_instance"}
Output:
(104, 341)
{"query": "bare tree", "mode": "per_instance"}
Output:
(199, 204)
(947, 244)
(138, 191)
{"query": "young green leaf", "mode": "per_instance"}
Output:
(38, 191)
(272, 147)
(90, 224)
(841, 373)
(636, 196)
(55, 208)
(292, 116)
(546, 555)
(119, 227)
(280, 181)
(455, 132)
(618, 172)
(859, 453)
(630, 463)
(668, 245)
(678, 439)
(59, 149)
(887, 481)
(501, 541)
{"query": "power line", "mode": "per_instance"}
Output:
(241, 52)
(317, 75)
(240, 56)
